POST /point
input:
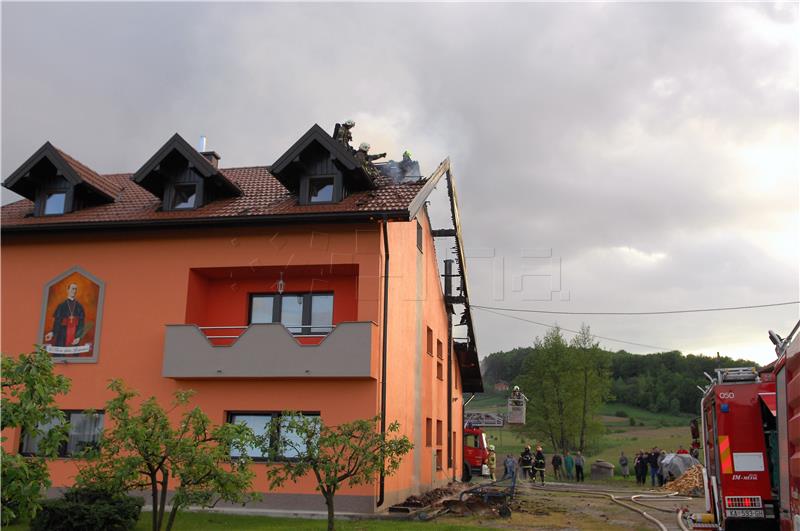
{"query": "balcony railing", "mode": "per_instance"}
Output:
(350, 349)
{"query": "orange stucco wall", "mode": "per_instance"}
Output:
(158, 277)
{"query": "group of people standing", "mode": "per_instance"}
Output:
(531, 464)
(649, 463)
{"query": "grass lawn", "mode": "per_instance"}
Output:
(201, 521)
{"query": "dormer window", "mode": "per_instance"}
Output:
(58, 184)
(184, 178)
(318, 169)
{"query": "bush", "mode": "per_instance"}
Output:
(88, 509)
(632, 421)
(621, 413)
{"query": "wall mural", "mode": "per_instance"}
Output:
(71, 314)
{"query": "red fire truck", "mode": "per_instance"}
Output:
(741, 451)
(787, 380)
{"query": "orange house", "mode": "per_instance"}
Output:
(311, 285)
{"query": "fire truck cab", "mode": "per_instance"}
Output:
(476, 452)
(741, 450)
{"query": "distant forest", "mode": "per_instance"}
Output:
(663, 382)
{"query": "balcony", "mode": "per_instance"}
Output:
(350, 350)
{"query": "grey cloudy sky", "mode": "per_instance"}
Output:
(613, 157)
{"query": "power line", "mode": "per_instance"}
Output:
(663, 349)
(664, 312)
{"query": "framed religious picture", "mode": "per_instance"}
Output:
(71, 314)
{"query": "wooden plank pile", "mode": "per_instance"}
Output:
(690, 483)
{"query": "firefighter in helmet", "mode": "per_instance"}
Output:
(344, 134)
(363, 156)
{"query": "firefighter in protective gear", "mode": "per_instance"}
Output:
(363, 156)
(491, 462)
(343, 133)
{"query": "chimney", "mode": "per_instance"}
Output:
(213, 157)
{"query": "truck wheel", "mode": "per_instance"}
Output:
(466, 475)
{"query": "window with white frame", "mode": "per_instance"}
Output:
(85, 429)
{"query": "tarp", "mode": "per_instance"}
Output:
(676, 464)
(769, 401)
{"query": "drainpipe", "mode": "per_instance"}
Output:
(448, 291)
(382, 487)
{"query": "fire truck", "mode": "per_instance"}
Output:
(476, 452)
(741, 451)
(787, 381)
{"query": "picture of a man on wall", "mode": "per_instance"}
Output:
(71, 309)
(68, 321)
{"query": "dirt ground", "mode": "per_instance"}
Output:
(543, 510)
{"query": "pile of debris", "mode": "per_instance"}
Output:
(432, 496)
(690, 483)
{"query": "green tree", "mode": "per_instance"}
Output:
(548, 379)
(29, 390)
(592, 371)
(143, 451)
(352, 453)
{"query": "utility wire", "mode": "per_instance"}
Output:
(662, 349)
(665, 312)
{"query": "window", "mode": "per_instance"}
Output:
(261, 309)
(430, 342)
(272, 427)
(439, 349)
(428, 432)
(84, 432)
(55, 203)
(439, 433)
(419, 236)
(439, 370)
(438, 459)
(320, 190)
(260, 424)
(301, 314)
(55, 196)
(184, 196)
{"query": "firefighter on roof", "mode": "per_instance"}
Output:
(343, 133)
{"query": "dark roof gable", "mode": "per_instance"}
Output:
(148, 177)
(76, 173)
(286, 167)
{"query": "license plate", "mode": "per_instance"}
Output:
(745, 513)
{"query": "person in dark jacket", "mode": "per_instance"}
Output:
(640, 467)
(652, 460)
(579, 463)
(539, 464)
(556, 462)
(526, 463)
